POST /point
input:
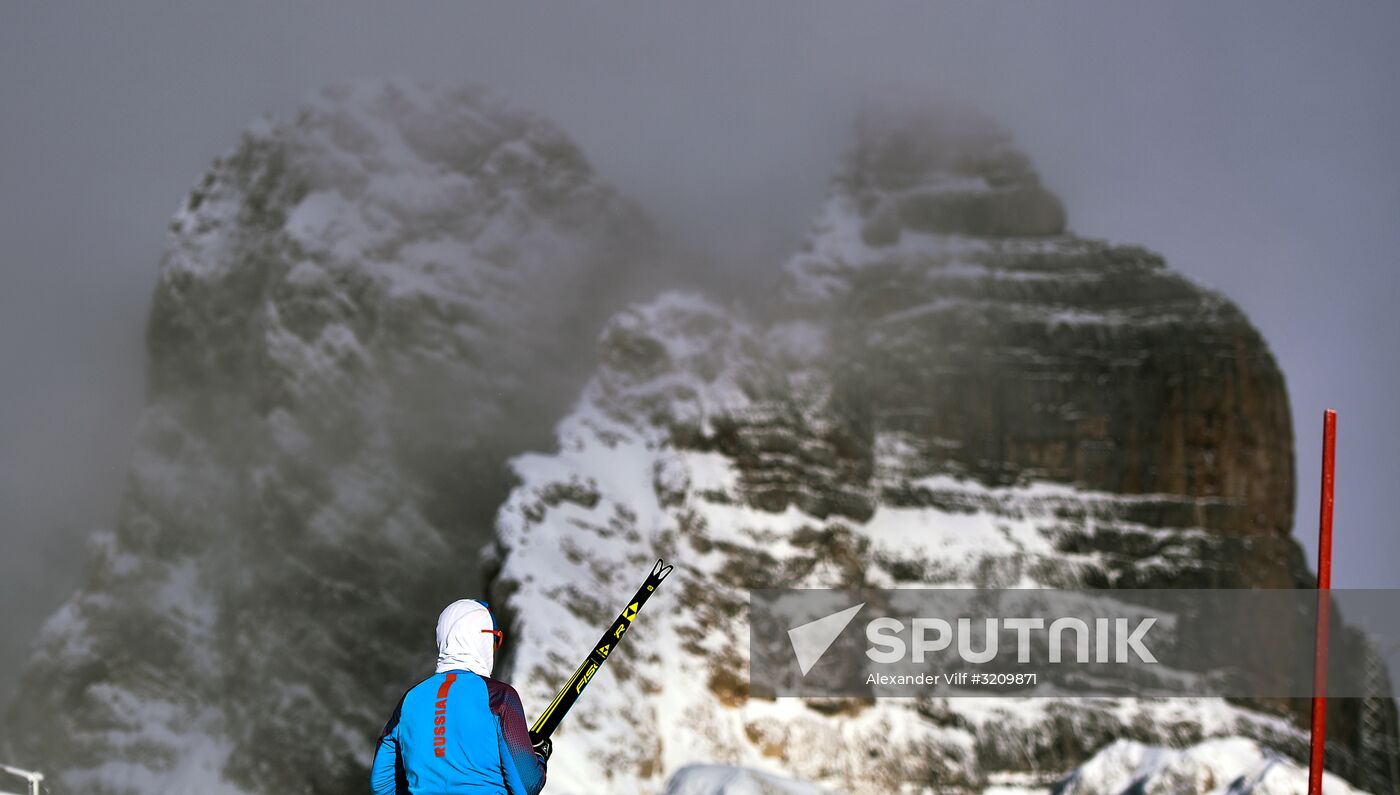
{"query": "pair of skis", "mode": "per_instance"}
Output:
(559, 707)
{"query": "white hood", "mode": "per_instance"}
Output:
(462, 645)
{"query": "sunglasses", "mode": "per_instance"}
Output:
(500, 637)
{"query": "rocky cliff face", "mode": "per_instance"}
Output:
(360, 314)
(1003, 349)
(952, 391)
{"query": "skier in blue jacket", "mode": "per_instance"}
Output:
(459, 730)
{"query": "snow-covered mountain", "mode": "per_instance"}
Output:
(360, 315)
(365, 312)
(951, 390)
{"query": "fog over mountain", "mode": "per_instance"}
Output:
(1252, 146)
(368, 316)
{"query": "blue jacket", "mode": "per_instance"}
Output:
(457, 732)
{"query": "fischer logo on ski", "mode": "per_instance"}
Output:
(554, 713)
(586, 677)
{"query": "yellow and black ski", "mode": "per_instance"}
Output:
(559, 707)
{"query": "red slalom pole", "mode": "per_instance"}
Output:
(1324, 585)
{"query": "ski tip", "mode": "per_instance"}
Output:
(660, 570)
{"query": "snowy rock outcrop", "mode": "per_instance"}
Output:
(951, 391)
(1216, 767)
(722, 780)
(360, 315)
(998, 347)
(694, 422)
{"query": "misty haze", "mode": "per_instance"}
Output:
(315, 320)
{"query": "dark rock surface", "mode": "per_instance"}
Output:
(1006, 358)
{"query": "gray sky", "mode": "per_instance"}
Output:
(1254, 145)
